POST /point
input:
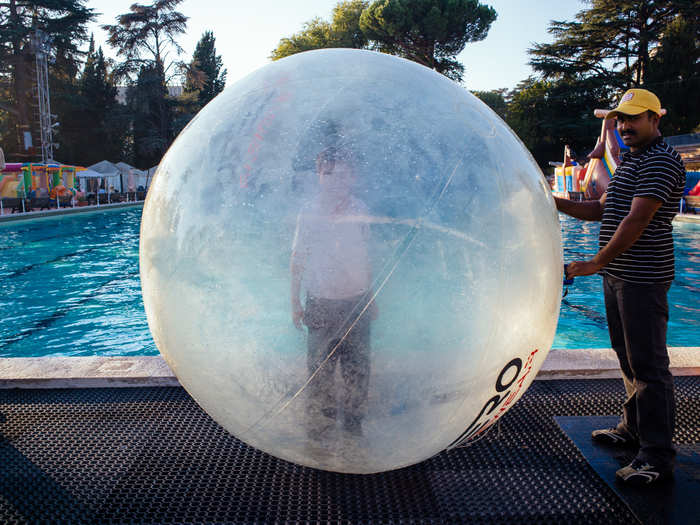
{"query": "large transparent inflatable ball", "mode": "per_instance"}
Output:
(350, 262)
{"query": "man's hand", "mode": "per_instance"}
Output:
(577, 268)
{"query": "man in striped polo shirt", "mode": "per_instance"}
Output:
(637, 264)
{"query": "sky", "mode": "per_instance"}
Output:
(246, 32)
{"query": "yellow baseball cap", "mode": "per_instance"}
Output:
(636, 101)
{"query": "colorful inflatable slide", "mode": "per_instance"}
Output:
(592, 179)
(18, 180)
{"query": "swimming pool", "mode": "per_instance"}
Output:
(69, 286)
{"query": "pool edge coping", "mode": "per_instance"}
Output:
(70, 210)
(150, 371)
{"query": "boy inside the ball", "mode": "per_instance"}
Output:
(330, 261)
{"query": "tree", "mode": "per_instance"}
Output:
(101, 112)
(345, 27)
(549, 114)
(674, 77)
(609, 47)
(343, 31)
(611, 39)
(495, 99)
(430, 32)
(145, 37)
(205, 75)
(145, 99)
(64, 22)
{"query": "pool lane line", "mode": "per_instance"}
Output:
(30, 267)
(589, 313)
(44, 323)
(26, 243)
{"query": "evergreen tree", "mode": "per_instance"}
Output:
(104, 117)
(146, 99)
(144, 37)
(612, 39)
(674, 76)
(495, 99)
(64, 22)
(205, 75)
(430, 32)
(549, 114)
(342, 31)
(615, 45)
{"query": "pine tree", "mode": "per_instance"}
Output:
(144, 37)
(674, 76)
(102, 113)
(430, 32)
(65, 23)
(205, 75)
(342, 31)
(146, 100)
(620, 44)
(612, 39)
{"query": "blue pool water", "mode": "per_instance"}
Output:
(70, 286)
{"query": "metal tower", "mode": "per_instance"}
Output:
(41, 45)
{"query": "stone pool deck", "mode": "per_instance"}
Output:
(152, 371)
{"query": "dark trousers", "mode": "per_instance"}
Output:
(334, 329)
(637, 320)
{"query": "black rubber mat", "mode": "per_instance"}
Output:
(675, 502)
(150, 455)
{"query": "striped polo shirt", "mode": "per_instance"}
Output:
(656, 172)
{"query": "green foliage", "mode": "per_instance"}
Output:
(495, 99)
(430, 32)
(314, 35)
(152, 116)
(343, 31)
(92, 125)
(145, 34)
(205, 76)
(65, 23)
(610, 46)
(547, 115)
(611, 39)
(673, 76)
(144, 37)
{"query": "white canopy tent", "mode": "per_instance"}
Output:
(89, 174)
(132, 177)
(126, 178)
(105, 169)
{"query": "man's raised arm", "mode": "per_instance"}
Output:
(584, 210)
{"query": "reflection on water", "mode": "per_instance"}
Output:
(582, 316)
(70, 286)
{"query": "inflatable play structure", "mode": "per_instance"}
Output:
(569, 177)
(591, 180)
(45, 180)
